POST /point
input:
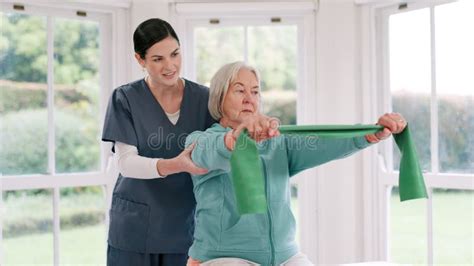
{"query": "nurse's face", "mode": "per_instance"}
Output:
(163, 62)
(242, 98)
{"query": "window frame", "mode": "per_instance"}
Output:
(50, 13)
(104, 15)
(386, 178)
(193, 23)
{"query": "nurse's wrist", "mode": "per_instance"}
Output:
(166, 167)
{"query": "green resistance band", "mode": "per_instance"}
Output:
(247, 169)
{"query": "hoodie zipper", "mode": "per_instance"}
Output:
(270, 231)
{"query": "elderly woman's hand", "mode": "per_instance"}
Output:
(393, 123)
(260, 127)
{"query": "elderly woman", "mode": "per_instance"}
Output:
(222, 236)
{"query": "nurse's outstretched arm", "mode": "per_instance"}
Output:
(180, 163)
(133, 165)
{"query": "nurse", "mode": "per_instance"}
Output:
(152, 212)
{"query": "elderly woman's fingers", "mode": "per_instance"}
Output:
(371, 138)
(394, 122)
(258, 131)
(264, 124)
(260, 127)
(400, 121)
(270, 126)
(250, 125)
(385, 133)
(238, 130)
(274, 124)
(387, 122)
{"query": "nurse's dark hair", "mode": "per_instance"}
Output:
(150, 32)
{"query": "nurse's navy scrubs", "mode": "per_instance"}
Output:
(152, 220)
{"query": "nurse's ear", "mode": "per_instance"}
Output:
(140, 60)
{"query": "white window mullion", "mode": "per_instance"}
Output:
(429, 226)
(192, 55)
(434, 100)
(56, 224)
(307, 182)
(434, 137)
(387, 96)
(385, 194)
(385, 190)
(50, 81)
(246, 44)
(51, 136)
(104, 80)
(1, 220)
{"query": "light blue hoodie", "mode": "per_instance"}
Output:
(269, 238)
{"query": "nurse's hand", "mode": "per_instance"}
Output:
(393, 123)
(180, 163)
(193, 262)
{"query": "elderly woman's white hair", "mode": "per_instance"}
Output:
(220, 83)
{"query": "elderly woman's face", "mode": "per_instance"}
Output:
(243, 97)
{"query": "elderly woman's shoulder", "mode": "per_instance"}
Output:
(215, 128)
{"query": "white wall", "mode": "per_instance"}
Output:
(340, 230)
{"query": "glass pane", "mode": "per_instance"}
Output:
(83, 230)
(453, 226)
(23, 89)
(27, 227)
(408, 242)
(76, 76)
(216, 47)
(272, 50)
(455, 86)
(410, 77)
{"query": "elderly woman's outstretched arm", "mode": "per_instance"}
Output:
(307, 152)
(209, 150)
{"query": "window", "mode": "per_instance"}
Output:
(428, 56)
(51, 168)
(270, 48)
